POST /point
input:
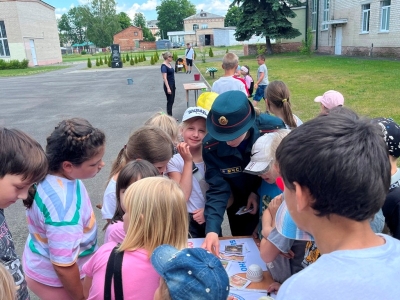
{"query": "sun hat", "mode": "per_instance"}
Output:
(193, 112)
(206, 100)
(231, 115)
(244, 69)
(330, 99)
(261, 156)
(192, 273)
(391, 132)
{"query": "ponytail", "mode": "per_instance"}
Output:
(287, 114)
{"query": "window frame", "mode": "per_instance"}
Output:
(314, 24)
(365, 17)
(204, 26)
(195, 27)
(4, 46)
(384, 16)
(325, 15)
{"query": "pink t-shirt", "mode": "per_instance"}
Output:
(115, 232)
(139, 279)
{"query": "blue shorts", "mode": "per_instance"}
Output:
(259, 93)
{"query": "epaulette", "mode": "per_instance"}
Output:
(210, 143)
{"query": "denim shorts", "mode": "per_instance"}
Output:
(259, 93)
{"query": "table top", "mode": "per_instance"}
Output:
(194, 86)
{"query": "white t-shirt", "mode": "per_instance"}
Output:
(109, 200)
(196, 199)
(263, 69)
(371, 273)
(228, 83)
(189, 53)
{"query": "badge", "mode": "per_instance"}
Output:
(223, 121)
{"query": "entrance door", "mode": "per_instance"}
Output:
(338, 41)
(33, 52)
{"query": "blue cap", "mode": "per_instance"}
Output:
(191, 273)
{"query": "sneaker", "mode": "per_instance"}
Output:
(187, 72)
(190, 72)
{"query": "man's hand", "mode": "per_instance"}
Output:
(252, 204)
(198, 216)
(211, 243)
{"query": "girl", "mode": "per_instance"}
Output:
(149, 143)
(187, 168)
(62, 226)
(168, 76)
(245, 71)
(155, 214)
(166, 123)
(132, 172)
(277, 97)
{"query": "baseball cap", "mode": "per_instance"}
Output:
(261, 156)
(206, 100)
(391, 132)
(191, 273)
(231, 115)
(193, 112)
(330, 99)
(244, 69)
(287, 227)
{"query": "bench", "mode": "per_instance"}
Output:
(211, 71)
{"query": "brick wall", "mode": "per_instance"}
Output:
(128, 38)
(277, 48)
(147, 45)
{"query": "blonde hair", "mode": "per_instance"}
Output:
(158, 215)
(8, 288)
(166, 123)
(276, 140)
(163, 290)
(166, 54)
(185, 124)
(230, 61)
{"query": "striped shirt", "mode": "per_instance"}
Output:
(62, 229)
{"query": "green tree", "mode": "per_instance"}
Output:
(132, 62)
(152, 61)
(97, 62)
(89, 63)
(233, 15)
(268, 18)
(72, 26)
(124, 20)
(171, 14)
(139, 20)
(101, 61)
(210, 53)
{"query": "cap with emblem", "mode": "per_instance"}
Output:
(194, 112)
(191, 273)
(231, 115)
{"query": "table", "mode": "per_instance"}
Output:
(193, 87)
(211, 71)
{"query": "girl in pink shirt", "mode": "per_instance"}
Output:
(155, 214)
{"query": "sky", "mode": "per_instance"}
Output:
(147, 7)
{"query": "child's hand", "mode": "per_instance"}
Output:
(274, 287)
(274, 205)
(288, 255)
(184, 151)
(266, 223)
(198, 216)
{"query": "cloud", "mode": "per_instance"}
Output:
(217, 7)
(149, 5)
(62, 10)
(83, 2)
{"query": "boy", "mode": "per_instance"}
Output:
(262, 80)
(329, 100)
(22, 162)
(229, 82)
(189, 55)
(336, 175)
(189, 274)
(391, 208)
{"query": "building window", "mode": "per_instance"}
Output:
(385, 15)
(326, 15)
(4, 50)
(195, 26)
(314, 15)
(204, 26)
(135, 33)
(365, 17)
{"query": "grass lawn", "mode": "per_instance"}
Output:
(30, 71)
(370, 86)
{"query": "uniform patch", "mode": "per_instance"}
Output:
(231, 170)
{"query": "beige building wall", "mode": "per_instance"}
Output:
(299, 23)
(211, 23)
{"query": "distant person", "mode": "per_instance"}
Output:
(229, 82)
(262, 80)
(329, 100)
(168, 76)
(189, 55)
(166, 123)
(245, 71)
(22, 163)
(334, 201)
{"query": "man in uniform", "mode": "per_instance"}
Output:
(233, 128)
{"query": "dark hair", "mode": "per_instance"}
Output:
(20, 154)
(343, 162)
(149, 143)
(343, 111)
(132, 172)
(278, 94)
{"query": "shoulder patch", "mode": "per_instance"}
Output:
(210, 145)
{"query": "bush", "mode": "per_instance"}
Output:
(127, 58)
(101, 61)
(152, 60)
(261, 49)
(97, 62)
(109, 63)
(13, 64)
(132, 62)
(227, 50)
(123, 59)
(89, 63)
(83, 52)
(210, 53)
(144, 57)
(136, 59)
(306, 45)
(105, 60)
(24, 64)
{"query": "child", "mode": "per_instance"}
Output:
(149, 143)
(8, 289)
(391, 207)
(22, 162)
(329, 100)
(262, 80)
(245, 71)
(333, 201)
(229, 82)
(132, 172)
(277, 97)
(155, 214)
(166, 123)
(187, 168)
(191, 273)
(62, 226)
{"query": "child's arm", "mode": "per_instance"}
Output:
(185, 178)
(70, 279)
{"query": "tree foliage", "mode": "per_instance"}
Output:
(233, 15)
(72, 26)
(139, 20)
(171, 14)
(267, 18)
(124, 20)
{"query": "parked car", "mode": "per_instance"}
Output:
(176, 45)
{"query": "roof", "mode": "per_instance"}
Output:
(152, 23)
(83, 44)
(204, 15)
(128, 28)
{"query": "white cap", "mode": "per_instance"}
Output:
(193, 112)
(261, 156)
